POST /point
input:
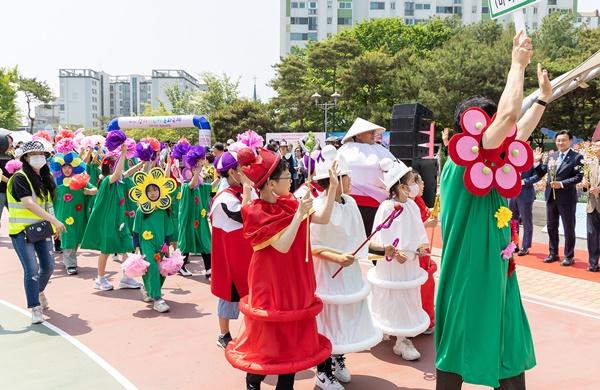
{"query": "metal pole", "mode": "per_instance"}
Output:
(326, 106)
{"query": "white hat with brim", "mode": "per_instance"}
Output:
(343, 167)
(328, 156)
(393, 171)
(361, 126)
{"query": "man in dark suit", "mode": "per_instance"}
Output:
(522, 208)
(561, 194)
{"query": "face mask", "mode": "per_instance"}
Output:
(288, 155)
(414, 190)
(37, 162)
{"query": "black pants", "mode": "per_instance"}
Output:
(451, 381)
(593, 237)
(205, 257)
(284, 381)
(566, 212)
(368, 216)
(325, 366)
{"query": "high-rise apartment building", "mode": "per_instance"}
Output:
(88, 98)
(304, 21)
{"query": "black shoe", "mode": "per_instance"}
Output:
(551, 259)
(223, 340)
(594, 268)
(71, 270)
(568, 262)
(523, 252)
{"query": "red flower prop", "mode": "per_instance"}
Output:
(79, 181)
(486, 169)
(68, 197)
(153, 142)
(78, 207)
(121, 201)
(157, 257)
(196, 224)
(196, 200)
(511, 267)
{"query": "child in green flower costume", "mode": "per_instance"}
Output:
(153, 228)
(194, 231)
(482, 333)
(72, 189)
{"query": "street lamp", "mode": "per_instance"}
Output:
(325, 106)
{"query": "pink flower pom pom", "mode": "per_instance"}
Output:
(13, 165)
(507, 252)
(42, 134)
(91, 141)
(171, 265)
(65, 145)
(130, 142)
(251, 139)
(135, 266)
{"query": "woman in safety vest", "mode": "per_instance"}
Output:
(29, 193)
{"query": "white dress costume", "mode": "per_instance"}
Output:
(395, 299)
(345, 319)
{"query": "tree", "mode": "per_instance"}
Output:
(9, 113)
(35, 92)
(239, 116)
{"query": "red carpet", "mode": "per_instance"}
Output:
(537, 253)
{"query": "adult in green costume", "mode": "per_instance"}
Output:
(70, 203)
(482, 335)
(107, 230)
(194, 230)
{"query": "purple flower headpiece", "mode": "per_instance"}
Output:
(193, 155)
(180, 149)
(314, 157)
(144, 151)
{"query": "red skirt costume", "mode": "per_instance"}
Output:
(279, 331)
(427, 288)
(231, 252)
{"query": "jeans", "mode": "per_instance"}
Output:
(35, 276)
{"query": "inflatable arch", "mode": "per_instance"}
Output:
(164, 122)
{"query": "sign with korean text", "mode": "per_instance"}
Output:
(504, 7)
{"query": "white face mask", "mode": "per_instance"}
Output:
(414, 190)
(288, 155)
(37, 162)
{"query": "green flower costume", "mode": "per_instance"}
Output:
(153, 229)
(175, 213)
(107, 230)
(194, 231)
(70, 209)
(92, 169)
(482, 332)
(130, 205)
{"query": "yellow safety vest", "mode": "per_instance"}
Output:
(19, 217)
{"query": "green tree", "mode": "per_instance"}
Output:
(35, 91)
(9, 113)
(239, 116)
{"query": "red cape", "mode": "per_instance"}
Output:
(279, 333)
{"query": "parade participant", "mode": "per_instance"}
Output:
(107, 230)
(231, 253)
(31, 223)
(153, 226)
(194, 232)
(345, 319)
(363, 155)
(482, 335)
(425, 261)
(69, 203)
(396, 295)
(279, 333)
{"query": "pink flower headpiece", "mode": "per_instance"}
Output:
(486, 169)
(251, 139)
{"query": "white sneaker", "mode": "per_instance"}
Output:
(145, 296)
(43, 301)
(101, 283)
(115, 257)
(37, 315)
(339, 369)
(127, 282)
(405, 348)
(327, 381)
(161, 306)
(184, 271)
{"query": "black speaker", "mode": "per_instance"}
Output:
(408, 152)
(428, 169)
(408, 138)
(410, 117)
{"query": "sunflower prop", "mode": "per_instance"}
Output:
(59, 160)
(155, 177)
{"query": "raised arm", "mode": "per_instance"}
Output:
(118, 172)
(323, 216)
(509, 106)
(532, 117)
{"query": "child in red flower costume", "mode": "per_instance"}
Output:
(279, 333)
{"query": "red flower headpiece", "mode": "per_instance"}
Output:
(498, 168)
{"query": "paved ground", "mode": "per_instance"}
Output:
(177, 350)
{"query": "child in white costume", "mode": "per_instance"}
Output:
(345, 319)
(395, 299)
